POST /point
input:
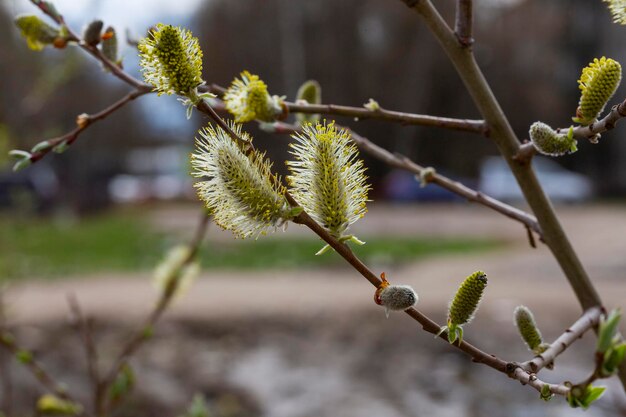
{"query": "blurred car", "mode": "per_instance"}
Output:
(561, 185)
(34, 188)
(402, 186)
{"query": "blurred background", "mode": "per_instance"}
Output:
(269, 329)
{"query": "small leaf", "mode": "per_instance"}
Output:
(607, 330)
(123, 384)
(61, 147)
(20, 165)
(592, 394)
(41, 146)
(24, 356)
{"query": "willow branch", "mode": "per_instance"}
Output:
(83, 122)
(607, 123)
(466, 125)
(427, 324)
(145, 330)
(36, 369)
(509, 145)
(83, 325)
(588, 320)
(463, 23)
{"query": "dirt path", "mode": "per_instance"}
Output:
(518, 274)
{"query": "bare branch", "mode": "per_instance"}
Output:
(145, 330)
(84, 327)
(466, 125)
(83, 122)
(463, 23)
(588, 320)
(36, 369)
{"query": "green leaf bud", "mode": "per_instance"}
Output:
(52, 405)
(545, 393)
(41, 146)
(38, 34)
(92, 31)
(24, 356)
(607, 330)
(597, 84)
(525, 322)
(467, 298)
(549, 142)
(311, 92)
(123, 384)
(109, 45)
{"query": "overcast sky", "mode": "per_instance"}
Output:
(133, 14)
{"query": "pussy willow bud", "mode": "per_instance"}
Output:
(171, 60)
(38, 34)
(240, 189)
(311, 92)
(174, 275)
(52, 405)
(92, 31)
(549, 142)
(327, 178)
(394, 297)
(597, 84)
(464, 305)
(618, 10)
(247, 99)
(525, 322)
(109, 45)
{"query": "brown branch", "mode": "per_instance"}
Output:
(145, 330)
(607, 123)
(83, 122)
(84, 327)
(36, 369)
(466, 125)
(588, 320)
(463, 23)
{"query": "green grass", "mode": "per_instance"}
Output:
(122, 242)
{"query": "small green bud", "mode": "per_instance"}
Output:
(525, 322)
(607, 330)
(21, 164)
(549, 142)
(41, 146)
(613, 358)
(123, 384)
(597, 84)
(54, 406)
(311, 92)
(198, 407)
(148, 332)
(61, 147)
(546, 394)
(38, 34)
(464, 305)
(109, 45)
(372, 105)
(92, 32)
(584, 395)
(24, 357)
(466, 300)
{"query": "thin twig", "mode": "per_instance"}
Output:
(463, 23)
(84, 327)
(607, 123)
(5, 365)
(45, 379)
(144, 332)
(85, 121)
(587, 321)
(466, 125)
